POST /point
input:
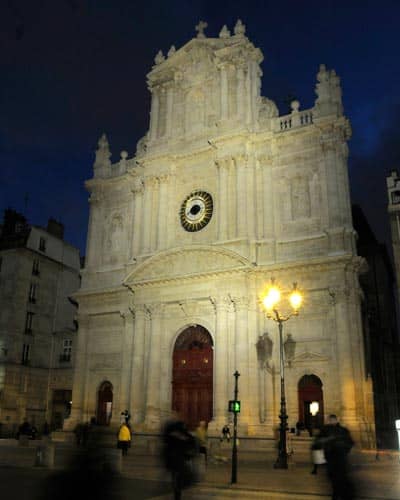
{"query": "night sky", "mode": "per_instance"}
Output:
(72, 69)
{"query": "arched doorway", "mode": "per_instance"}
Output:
(192, 376)
(104, 403)
(310, 390)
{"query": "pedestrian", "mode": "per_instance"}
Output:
(202, 439)
(179, 448)
(124, 438)
(78, 433)
(225, 433)
(336, 442)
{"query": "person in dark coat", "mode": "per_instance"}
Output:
(178, 450)
(336, 442)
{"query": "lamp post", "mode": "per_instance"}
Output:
(270, 301)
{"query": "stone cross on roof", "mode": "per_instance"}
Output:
(200, 29)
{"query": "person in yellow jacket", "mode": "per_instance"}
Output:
(124, 438)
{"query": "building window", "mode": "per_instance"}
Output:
(32, 293)
(25, 354)
(42, 244)
(395, 197)
(28, 322)
(67, 351)
(36, 267)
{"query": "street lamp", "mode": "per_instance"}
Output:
(270, 300)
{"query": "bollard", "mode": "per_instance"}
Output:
(39, 456)
(44, 456)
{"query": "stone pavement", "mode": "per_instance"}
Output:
(374, 480)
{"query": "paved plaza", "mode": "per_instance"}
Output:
(143, 477)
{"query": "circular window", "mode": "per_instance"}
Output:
(196, 211)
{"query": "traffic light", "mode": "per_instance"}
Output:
(234, 406)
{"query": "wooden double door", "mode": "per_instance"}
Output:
(192, 378)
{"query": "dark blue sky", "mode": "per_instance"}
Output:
(71, 69)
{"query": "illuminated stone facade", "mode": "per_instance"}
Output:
(280, 208)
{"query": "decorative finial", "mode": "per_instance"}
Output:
(240, 28)
(102, 161)
(124, 155)
(171, 51)
(295, 105)
(159, 57)
(224, 33)
(200, 29)
(103, 142)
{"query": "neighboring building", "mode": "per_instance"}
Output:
(221, 195)
(38, 272)
(393, 189)
(380, 330)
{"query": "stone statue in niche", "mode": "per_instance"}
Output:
(115, 233)
(300, 191)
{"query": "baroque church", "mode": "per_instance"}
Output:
(221, 196)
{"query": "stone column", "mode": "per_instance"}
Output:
(224, 92)
(220, 362)
(152, 420)
(127, 360)
(250, 198)
(249, 94)
(240, 94)
(268, 200)
(223, 199)
(232, 196)
(155, 208)
(137, 378)
(259, 200)
(241, 196)
(155, 105)
(170, 101)
(147, 216)
(137, 218)
(241, 305)
(344, 354)
(329, 168)
(162, 213)
(81, 362)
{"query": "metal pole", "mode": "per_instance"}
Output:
(234, 447)
(281, 461)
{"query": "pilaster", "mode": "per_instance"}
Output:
(152, 419)
(137, 217)
(154, 114)
(241, 305)
(137, 384)
(80, 368)
(127, 358)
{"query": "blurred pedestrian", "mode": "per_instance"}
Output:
(124, 438)
(336, 442)
(317, 454)
(178, 451)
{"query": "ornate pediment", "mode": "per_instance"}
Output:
(186, 263)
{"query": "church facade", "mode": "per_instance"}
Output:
(222, 195)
